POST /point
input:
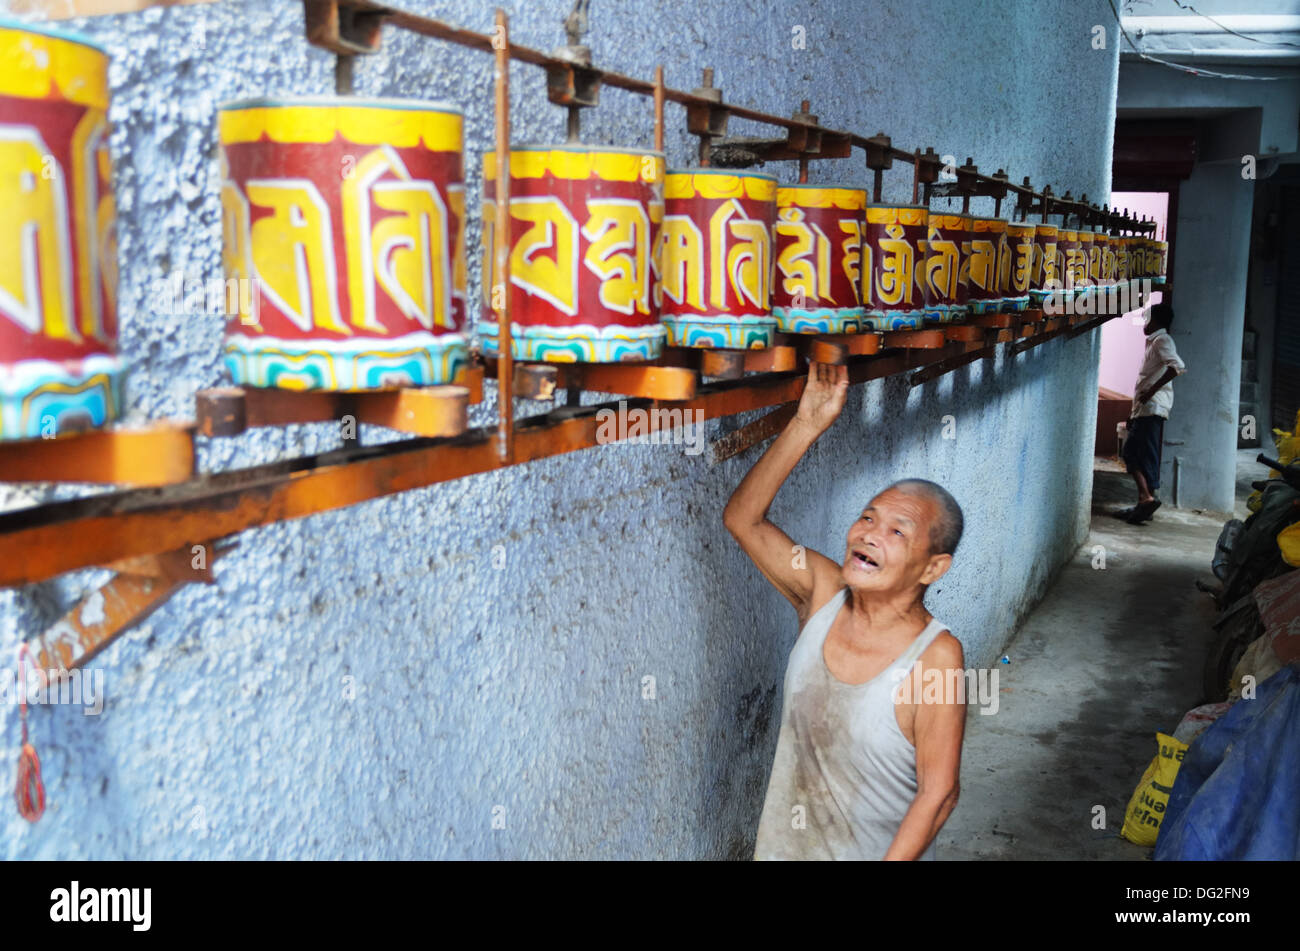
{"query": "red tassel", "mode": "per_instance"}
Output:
(31, 791)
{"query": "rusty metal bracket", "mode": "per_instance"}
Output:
(928, 167)
(970, 184)
(570, 80)
(751, 434)
(880, 158)
(804, 142)
(572, 84)
(1029, 343)
(707, 121)
(345, 27)
(161, 453)
(139, 588)
(421, 411)
(1024, 199)
(997, 190)
(936, 370)
(1068, 207)
(1046, 203)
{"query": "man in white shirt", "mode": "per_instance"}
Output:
(1152, 401)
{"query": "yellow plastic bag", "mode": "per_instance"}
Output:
(1288, 444)
(1288, 447)
(1289, 541)
(1151, 798)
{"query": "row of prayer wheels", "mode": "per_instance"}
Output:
(613, 256)
(343, 227)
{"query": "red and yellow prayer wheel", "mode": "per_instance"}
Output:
(1146, 254)
(584, 227)
(893, 266)
(981, 264)
(946, 294)
(1159, 262)
(716, 258)
(1123, 249)
(1075, 275)
(1090, 261)
(343, 227)
(1092, 244)
(1015, 266)
(59, 368)
(1044, 274)
(818, 255)
(1109, 245)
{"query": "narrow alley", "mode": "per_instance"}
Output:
(1110, 656)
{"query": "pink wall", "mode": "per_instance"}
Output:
(1122, 341)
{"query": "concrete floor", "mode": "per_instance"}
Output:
(1108, 657)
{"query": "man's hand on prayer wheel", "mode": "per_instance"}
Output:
(823, 396)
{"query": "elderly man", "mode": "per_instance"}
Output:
(863, 769)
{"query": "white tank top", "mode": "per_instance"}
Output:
(844, 775)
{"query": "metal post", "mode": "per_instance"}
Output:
(659, 108)
(343, 74)
(501, 292)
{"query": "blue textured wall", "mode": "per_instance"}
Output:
(228, 731)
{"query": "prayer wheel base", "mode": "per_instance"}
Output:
(910, 320)
(352, 366)
(825, 321)
(43, 398)
(726, 333)
(580, 344)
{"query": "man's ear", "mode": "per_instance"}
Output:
(936, 569)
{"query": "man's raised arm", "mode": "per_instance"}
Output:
(746, 514)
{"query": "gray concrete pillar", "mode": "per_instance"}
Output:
(1209, 279)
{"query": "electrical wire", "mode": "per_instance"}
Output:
(1245, 36)
(1210, 74)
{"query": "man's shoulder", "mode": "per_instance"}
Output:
(944, 651)
(825, 589)
(1163, 340)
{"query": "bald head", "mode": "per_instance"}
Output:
(946, 529)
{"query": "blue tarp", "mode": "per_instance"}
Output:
(1237, 795)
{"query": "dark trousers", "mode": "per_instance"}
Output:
(1146, 437)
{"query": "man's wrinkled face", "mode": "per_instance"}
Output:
(889, 544)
